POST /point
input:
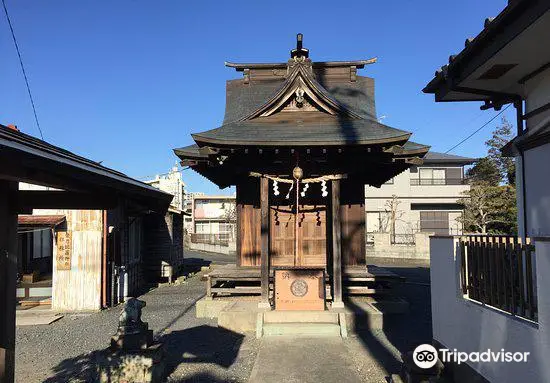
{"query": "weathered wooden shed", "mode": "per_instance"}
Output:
(81, 183)
(299, 140)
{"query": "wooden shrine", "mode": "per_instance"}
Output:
(300, 140)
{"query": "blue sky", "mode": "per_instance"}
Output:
(124, 82)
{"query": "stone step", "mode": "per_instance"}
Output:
(300, 317)
(301, 329)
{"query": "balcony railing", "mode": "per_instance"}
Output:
(499, 271)
(437, 181)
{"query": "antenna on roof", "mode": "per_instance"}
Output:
(300, 51)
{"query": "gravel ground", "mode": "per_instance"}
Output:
(377, 353)
(197, 349)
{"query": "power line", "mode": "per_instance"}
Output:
(478, 129)
(22, 68)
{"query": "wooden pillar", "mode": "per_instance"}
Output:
(8, 274)
(264, 252)
(336, 247)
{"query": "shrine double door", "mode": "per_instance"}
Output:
(311, 233)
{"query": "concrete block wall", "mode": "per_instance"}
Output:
(383, 248)
(231, 249)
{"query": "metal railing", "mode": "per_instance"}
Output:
(211, 239)
(402, 239)
(437, 181)
(499, 271)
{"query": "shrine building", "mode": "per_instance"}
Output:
(300, 140)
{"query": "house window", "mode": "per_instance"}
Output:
(437, 176)
(434, 222)
(429, 176)
(202, 227)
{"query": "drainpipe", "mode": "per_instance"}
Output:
(520, 131)
(104, 262)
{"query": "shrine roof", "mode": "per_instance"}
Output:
(308, 107)
(409, 148)
(307, 128)
(244, 98)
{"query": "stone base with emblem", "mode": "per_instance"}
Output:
(299, 288)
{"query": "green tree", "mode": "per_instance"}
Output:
(484, 171)
(489, 209)
(506, 165)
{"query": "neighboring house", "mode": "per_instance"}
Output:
(502, 304)
(214, 223)
(188, 209)
(403, 212)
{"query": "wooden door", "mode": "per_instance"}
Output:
(312, 237)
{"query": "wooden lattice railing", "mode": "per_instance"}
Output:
(499, 271)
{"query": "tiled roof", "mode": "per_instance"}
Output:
(448, 158)
(492, 30)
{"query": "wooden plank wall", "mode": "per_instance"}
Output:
(79, 288)
(248, 223)
(352, 213)
(163, 241)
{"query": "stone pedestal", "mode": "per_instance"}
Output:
(132, 340)
(132, 357)
(143, 366)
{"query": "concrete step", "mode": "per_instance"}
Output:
(300, 317)
(301, 329)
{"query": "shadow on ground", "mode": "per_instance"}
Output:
(403, 332)
(202, 344)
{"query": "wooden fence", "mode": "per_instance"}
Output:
(499, 271)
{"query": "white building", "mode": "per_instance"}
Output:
(171, 183)
(506, 63)
(422, 198)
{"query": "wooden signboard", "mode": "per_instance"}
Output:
(300, 289)
(64, 250)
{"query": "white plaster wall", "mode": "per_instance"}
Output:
(537, 190)
(537, 94)
(467, 326)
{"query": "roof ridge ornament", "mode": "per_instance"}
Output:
(300, 51)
